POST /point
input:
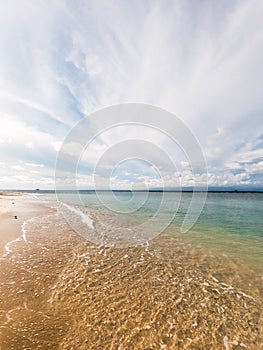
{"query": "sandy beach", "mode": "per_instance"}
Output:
(14, 211)
(59, 291)
(10, 228)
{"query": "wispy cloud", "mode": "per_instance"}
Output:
(62, 60)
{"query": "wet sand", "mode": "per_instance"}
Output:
(59, 291)
(14, 210)
(10, 228)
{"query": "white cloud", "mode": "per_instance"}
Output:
(35, 165)
(61, 60)
(17, 167)
(254, 168)
(29, 145)
(57, 145)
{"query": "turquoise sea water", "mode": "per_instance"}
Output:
(230, 223)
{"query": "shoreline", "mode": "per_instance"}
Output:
(15, 210)
(60, 291)
(10, 228)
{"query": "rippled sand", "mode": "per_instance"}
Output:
(60, 292)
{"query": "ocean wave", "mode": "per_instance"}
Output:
(8, 246)
(20, 238)
(84, 217)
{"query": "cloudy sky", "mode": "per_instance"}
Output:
(63, 60)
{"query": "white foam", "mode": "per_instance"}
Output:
(147, 246)
(24, 231)
(225, 340)
(22, 237)
(8, 245)
(33, 195)
(84, 217)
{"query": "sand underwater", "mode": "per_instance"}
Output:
(59, 291)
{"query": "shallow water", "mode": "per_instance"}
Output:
(60, 291)
(230, 223)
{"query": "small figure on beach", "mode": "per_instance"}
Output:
(15, 216)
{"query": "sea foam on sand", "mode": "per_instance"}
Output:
(84, 217)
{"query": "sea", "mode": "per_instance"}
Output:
(155, 270)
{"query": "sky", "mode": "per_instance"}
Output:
(63, 61)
